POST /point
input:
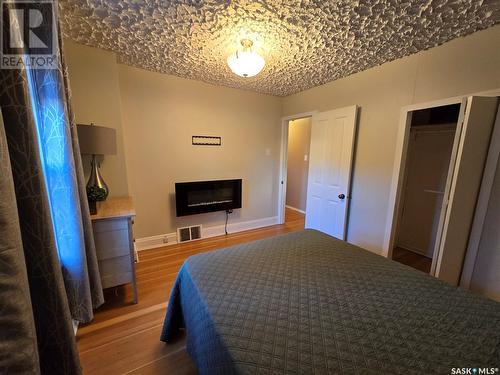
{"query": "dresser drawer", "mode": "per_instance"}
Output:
(115, 271)
(112, 228)
(112, 244)
(117, 279)
(110, 225)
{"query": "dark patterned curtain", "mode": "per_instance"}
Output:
(48, 265)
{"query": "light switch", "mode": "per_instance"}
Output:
(305, 157)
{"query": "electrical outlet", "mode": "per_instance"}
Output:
(165, 239)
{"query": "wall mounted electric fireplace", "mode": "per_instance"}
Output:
(207, 196)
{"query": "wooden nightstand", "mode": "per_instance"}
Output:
(114, 241)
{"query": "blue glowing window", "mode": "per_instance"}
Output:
(58, 167)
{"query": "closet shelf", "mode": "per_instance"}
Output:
(433, 191)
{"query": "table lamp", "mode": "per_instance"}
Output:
(96, 140)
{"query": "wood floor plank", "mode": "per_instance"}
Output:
(128, 353)
(85, 331)
(124, 337)
(95, 339)
(177, 363)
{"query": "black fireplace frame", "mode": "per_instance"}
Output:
(182, 189)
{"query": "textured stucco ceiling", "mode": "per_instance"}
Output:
(305, 43)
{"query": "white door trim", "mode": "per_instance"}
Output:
(284, 160)
(482, 205)
(400, 156)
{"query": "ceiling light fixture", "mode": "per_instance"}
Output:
(246, 63)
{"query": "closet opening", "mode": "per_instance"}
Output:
(432, 135)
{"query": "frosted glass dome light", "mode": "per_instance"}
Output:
(246, 63)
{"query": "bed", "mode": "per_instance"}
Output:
(307, 303)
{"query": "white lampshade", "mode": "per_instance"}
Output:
(246, 63)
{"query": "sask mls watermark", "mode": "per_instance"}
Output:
(474, 370)
(28, 35)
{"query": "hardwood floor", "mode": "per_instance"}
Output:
(412, 259)
(293, 216)
(124, 337)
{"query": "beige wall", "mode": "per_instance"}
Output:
(462, 66)
(299, 139)
(96, 98)
(485, 277)
(162, 112)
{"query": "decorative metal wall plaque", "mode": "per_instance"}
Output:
(202, 140)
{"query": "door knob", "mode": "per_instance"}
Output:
(341, 196)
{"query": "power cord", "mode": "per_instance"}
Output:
(227, 218)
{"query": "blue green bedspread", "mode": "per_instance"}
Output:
(306, 303)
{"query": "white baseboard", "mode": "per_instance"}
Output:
(168, 239)
(155, 241)
(295, 209)
(239, 227)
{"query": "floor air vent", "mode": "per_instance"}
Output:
(189, 233)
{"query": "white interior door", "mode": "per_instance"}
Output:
(329, 178)
(464, 180)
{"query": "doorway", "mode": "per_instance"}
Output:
(283, 176)
(295, 146)
(329, 171)
(299, 140)
(427, 165)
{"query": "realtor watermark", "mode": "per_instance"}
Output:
(29, 36)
